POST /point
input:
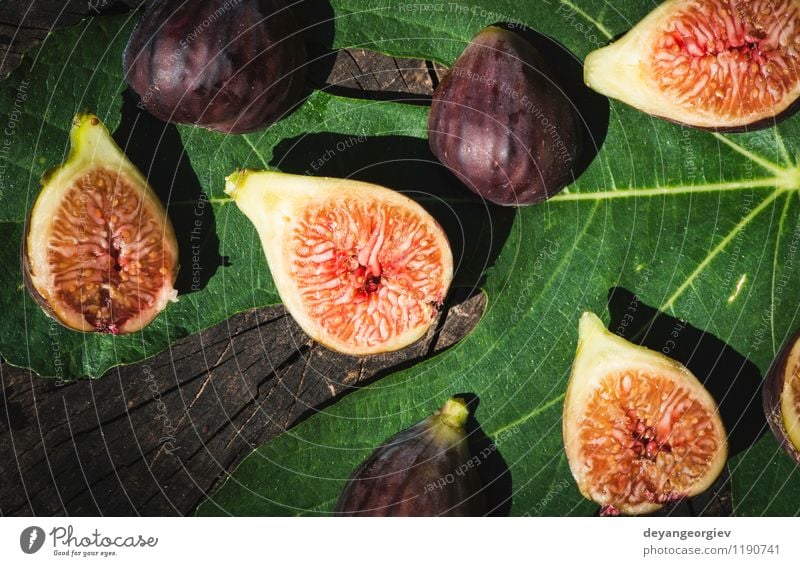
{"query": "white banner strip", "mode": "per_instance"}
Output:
(388, 542)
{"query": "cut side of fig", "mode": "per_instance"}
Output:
(500, 122)
(361, 268)
(99, 252)
(639, 429)
(781, 394)
(715, 64)
(422, 471)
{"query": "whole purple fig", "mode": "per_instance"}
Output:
(424, 471)
(228, 65)
(500, 122)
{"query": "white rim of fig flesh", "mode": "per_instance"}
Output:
(361, 268)
(88, 296)
(740, 59)
(790, 397)
(623, 450)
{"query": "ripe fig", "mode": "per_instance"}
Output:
(99, 252)
(424, 471)
(714, 64)
(639, 429)
(361, 268)
(501, 124)
(229, 66)
(782, 397)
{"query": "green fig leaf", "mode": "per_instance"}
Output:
(701, 226)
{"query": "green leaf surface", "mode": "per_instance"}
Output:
(701, 226)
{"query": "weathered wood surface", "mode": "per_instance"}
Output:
(154, 438)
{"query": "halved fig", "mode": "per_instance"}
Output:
(424, 471)
(99, 252)
(639, 429)
(782, 397)
(361, 268)
(715, 64)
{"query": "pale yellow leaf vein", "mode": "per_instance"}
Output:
(255, 150)
(668, 191)
(718, 249)
(524, 418)
(603, 29)
(755, 158)
(781, 224)
(782, 148)
(318, 508)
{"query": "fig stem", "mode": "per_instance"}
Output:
(234, 181)
(454, 413)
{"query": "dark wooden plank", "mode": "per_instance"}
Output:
(24, 23)
(153, 438)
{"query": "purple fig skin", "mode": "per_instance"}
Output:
(771, 393)
(234, 67)
(502, 125)
(423, 471)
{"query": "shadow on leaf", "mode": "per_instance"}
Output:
(495, 476)
(318, 22)
(157, 151)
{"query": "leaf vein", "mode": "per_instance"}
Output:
(767, 182)
(781, 224)
(718, 249)
(255, 150)
(755, 158)
(599, 25)
(524, 418)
